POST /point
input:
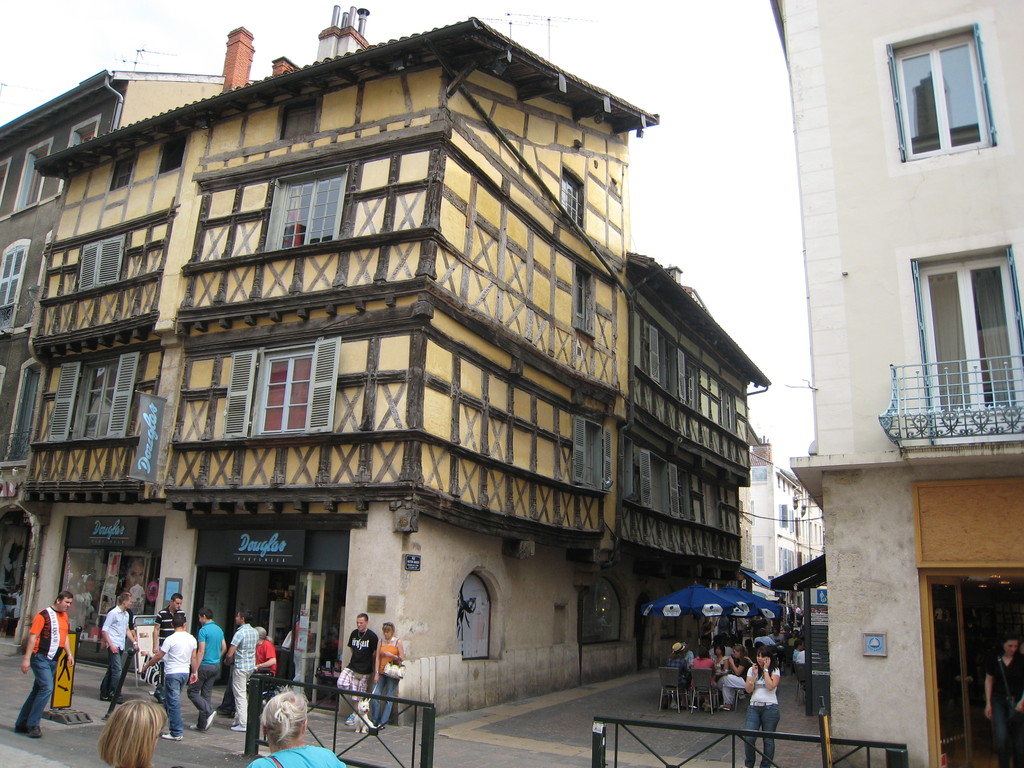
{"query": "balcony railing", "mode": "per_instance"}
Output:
(956, 399)
(14, 445)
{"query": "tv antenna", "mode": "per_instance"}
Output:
(140, 55)
(537, 20)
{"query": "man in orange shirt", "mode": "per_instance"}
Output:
(48, 635)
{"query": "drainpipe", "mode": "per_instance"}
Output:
(115, 120)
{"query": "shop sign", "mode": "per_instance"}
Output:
(262, 547)
(151, 417)
(113, 531)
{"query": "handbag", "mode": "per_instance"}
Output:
(1014, 716)
(397, 671)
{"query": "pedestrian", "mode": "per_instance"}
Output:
(117, 633)
(763, 713)
(47, 640)
(266, 654)
(210, 649)
(129, 736)
(390, 654)
(1004, 702)
(360, 670)
(166, 617)
(242, 657)
(176, 653)
(284, 724)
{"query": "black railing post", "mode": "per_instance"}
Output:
(129, 658)
(254, 692)
(897, 758)
(427, 745)
(598, 745)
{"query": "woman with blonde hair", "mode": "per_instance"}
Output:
(284, 727)
(130, 735)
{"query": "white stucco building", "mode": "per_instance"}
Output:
(913, 214)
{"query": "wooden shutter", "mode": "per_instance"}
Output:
(320, 415)
(673, 490)
(87, 266)
(124, 386)
(681, 375)
(11, 276)
(653, 361)
(645, 478)
(110, 260)
(239, 398)
(579, 450)
(63, 404)
(606, 458)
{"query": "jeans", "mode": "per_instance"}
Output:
(110, 680)
(765, 719)
(386, 686)
(239, 681)
(1009, 739)
(43, 670)
(173, 686)
(200, 693)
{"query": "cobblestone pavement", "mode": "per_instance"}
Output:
(539, 732)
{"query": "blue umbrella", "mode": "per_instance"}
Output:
(695, 600)
(749, 604)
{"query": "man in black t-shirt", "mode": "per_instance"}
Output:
(360, 673)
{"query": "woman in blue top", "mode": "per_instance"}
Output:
(284, 727)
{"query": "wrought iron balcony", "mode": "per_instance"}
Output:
(956, 399)
(14, 445)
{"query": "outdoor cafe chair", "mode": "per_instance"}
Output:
(669, 687)
(702, 684)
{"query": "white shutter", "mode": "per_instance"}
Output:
(673, 490)
(87, 266)
(319, 417)
(11, 276)
(110, 260)
(653, 361)
(239, 398)
(606, 455)
(124, 386)
(579, 450)
(67, 387)
(645, 478)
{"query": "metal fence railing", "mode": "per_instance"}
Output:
(407, 747)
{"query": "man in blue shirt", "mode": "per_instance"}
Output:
(206, 662)
(116, 634)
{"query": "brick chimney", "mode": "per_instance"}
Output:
(238, 59)
(343, 36)
(282, 65)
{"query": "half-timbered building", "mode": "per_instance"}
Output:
(384, 299)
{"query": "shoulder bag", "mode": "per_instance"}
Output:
(1014, 716)
(397, 671)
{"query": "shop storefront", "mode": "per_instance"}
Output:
(15, 534)
(293, 583)
(104, 556)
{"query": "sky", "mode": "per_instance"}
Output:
(713, 188)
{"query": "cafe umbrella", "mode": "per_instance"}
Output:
(749, 604)
(695, 600)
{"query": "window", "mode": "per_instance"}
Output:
(5, 168)
(21, 434)
(968, 314)
(583, 308)
(591, 454)
(787, 562)
(710, 397)
(759, 474)
(729, 411)
(31, 190)
(473, 618)
(689, 389)
(122, 174)
(941, 97)
(659, 488)
(759, 557)
(172, 155)
(655, 351)
(600, 615)
(10, 281)
(298, 120)
(785, 518)
(101, 262)
(572, 196)
(84, 131)
(293, 390)
(307, 209)
(93, 399)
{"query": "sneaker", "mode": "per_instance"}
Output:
(725, 708)
(239, 728)
(204, 723)
(20, 728)
(170, 737)
(351, 720)
(34, 732)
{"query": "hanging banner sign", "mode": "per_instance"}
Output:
(147, 452)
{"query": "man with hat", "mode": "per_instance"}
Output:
(680, 659)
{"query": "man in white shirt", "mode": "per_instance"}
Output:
(116, 634)
(176, 654)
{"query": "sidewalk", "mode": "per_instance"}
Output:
(539, 732)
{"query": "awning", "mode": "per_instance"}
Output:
(752, 575)
(810, 574)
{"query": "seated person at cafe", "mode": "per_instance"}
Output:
(677, 658)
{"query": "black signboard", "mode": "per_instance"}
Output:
(103, 531)
(412, 562)
(255, 547)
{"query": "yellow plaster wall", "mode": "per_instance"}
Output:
(394, 353)
(144, 99)
(383, 98)
(338, 109)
